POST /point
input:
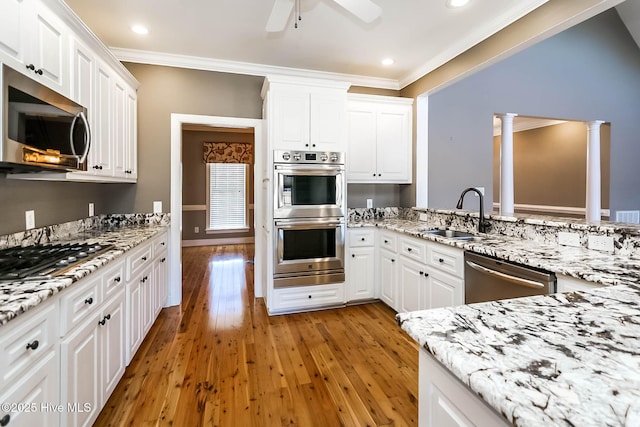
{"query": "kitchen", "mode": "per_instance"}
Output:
(127, 198)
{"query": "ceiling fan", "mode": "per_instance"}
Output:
(365, 10)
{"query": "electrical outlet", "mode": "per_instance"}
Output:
(196, 229)
(30, 219)
(600, 243)
(369, 203)
(157, 207)
(91, 209)
(569, 239)
(423, 216)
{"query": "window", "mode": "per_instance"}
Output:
(227, 196)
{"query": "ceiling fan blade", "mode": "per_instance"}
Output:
(366, 10)
(279, 15)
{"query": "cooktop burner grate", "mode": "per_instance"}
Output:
(44, 261)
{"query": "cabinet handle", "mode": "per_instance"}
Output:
(409, 249)
(374, 174)
(88, 301)
(5, 420)
(379, 174)
(440, 260)
(102, 322)
(33, 345)
(39, 71)
(353, 255)
(309, 296)
(393, 260)
(108, 316)
(421, 273)
(162, 243)
(386, 241)
(163, 260)
(117, 279)
(313, 145)
(144, 258)
(31, 67)
(306, 145)
(363, 239)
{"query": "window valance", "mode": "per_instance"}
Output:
(228, 152)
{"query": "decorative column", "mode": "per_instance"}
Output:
(593, 200)
(506, 164)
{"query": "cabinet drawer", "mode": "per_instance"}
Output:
(138, 260)
(25, 340)
(78, 302)
(160, 244)
(414, 249)
(446, 258)
(389, 240)
(113, 280)
(299, 298)
(361, 237)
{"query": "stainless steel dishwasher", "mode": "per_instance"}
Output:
(489, 279)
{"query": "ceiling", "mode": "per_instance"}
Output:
(419, 35)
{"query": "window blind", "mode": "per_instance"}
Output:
(227, 196)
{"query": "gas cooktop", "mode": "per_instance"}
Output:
(42, 262)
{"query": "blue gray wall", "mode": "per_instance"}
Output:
(590, 71)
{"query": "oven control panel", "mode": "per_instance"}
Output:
(308, 157)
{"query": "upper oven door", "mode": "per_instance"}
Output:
(309, 246)
(308, 191)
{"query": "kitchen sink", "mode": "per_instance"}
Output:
(452, 234)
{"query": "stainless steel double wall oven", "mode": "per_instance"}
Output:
(309, 217)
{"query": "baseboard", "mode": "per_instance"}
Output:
(218, 242)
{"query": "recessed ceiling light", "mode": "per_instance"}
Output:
(140, 29)
(456, 3)
(387, 61)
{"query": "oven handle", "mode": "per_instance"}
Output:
(309, 225)
(309, 169)
(512, 279)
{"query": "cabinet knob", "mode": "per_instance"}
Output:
(409, 249)
(393, 260)
(379, 174)
(386, 241)
(31, 67)
(163, 260)
(39, 71)
(363, 239)
(117, 279)
(313, 145)
(374, 174)
(89, 301)
(102, 322)
(440, 260)
(108, 316)
(162, 243)
(309, 296)
(306, 145)
(5, 420)
(33, 345)
(421, 273)
(353, 255)
(144, 258)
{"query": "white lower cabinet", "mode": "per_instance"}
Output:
(360, 265)
(447, 402)
(388, 278)
(113, 334)
(37, 393)
(413, 282)
(444, 290)
(305, 297)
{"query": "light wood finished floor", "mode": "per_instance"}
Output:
(219, 360)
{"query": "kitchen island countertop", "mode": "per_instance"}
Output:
(18, 297)
(553, 360)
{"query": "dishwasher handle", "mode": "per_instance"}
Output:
(513, 279)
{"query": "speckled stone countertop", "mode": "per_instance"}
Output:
(556, 360)
(594, 266)
(18, 297)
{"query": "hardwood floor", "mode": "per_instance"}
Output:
(220, 360)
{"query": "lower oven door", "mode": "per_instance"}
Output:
(309, 251)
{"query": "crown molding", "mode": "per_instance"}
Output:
(246, 68)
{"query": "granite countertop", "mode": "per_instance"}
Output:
(594, 266)
(18, 297)
(556, 360)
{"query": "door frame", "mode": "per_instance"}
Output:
(175, 233)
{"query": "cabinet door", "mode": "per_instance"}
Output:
(360, 283)
(102, 137)
(160, 277)
(80, 374)
(119, 128)
(50, 50)
(387, 277)
(444, 290)
(12, 34)
(147, 298)
(82, 76)
(37, 390)
(328, 121)
(131, 150)
(112, 350)
(290, 119)
(413, 284)
(394, 151)
(361, 153)
(134, 317)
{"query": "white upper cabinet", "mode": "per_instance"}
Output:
(101, 160)
(34, 41)
(379, 139)
(304, 114)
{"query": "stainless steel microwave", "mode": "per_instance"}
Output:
(41, 129)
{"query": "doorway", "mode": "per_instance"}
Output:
(180, 122)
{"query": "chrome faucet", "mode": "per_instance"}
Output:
(482, 224)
